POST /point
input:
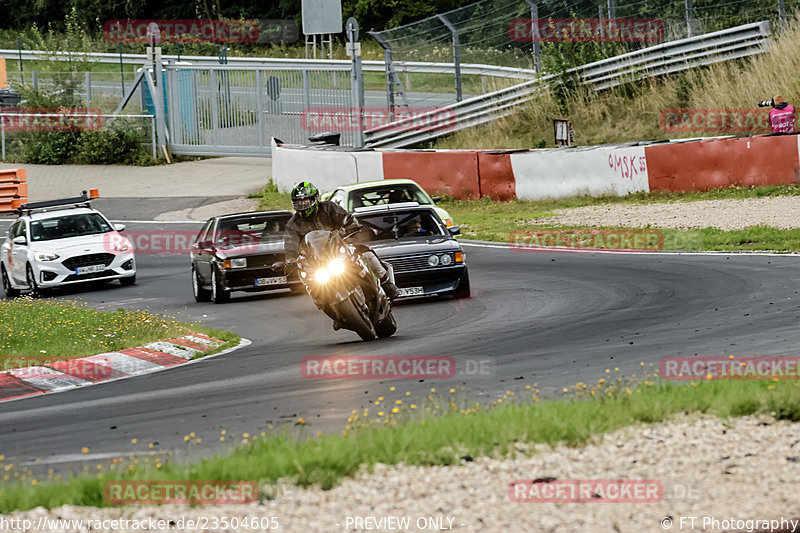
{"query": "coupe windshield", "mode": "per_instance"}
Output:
(399, 225)
(388, 194)
(68, 226)
(250, 229)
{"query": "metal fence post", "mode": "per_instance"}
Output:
(3, 136)
(782, 13)
(456, 54)
(121, 70)
(356, 81)
(153, 136)
(35, 79)
(689, 18)
(387, 58)
(612, 9)
(88, 89)
(535, 38)
(260, 107)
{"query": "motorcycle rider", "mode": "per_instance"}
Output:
(311, 214)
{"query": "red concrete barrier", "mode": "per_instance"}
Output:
(495, 176)
(451, 173)
(704, 165)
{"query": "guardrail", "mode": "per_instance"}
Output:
(13, 189)
(674, 56)
(410, 67)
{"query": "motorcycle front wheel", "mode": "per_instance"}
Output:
(355, 320)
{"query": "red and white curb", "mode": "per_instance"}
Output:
(59, 376)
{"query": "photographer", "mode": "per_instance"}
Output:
(781, 116)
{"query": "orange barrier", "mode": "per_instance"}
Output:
(13, 189)
(495, 176)
(452, 173)
(705, 165)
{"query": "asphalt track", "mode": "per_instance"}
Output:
(549, 318)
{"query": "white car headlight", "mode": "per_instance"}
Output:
(239, 262)
(446, 259)
(45, 256)
(433, 260)
(336, 267)
(122, 246)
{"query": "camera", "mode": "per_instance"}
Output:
(767, 103)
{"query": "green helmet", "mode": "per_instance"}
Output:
(305, 198)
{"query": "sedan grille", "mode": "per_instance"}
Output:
(263, 261)
(411, 263)
(87, 260)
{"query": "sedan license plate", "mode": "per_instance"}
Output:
(280, 280)
(411, 291)
(91, 269)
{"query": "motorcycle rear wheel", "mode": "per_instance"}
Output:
(355, 320)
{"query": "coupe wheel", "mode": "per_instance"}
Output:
(200, 294)
(33, 287)
(9, 291)
(218, 293)
(462, 290)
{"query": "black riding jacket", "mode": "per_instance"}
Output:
(328, 216)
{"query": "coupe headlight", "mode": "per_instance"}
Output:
(239, 262)
(45, 256)
(122, 246)
(322, 275)
(433, 260)
(336, 267)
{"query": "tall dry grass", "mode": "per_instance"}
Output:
(631, 112)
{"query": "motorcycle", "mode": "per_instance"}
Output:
(338, 279)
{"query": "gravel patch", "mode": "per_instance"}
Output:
(741, 469)
(781, 212)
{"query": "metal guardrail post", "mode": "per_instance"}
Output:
(689, 18)
(35, 80)
(456, 54)
(153, 136)
(535, 38)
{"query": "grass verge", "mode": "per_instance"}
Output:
(64, 329)
(437, 432)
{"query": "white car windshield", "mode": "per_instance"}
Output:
(388, 194)
(67, 226)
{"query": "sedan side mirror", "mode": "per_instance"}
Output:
(454, 230)
(119, 227)
(20, 240)
(436, 199)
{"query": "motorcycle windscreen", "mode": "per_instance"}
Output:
(317, 240)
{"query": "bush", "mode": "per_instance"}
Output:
(111, 146)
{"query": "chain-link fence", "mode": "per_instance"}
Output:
(554, 35)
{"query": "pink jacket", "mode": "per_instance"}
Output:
(782, 119)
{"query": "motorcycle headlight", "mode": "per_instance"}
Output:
(322, 275)
(122, 246)
(433, 260)
(45, 256)
(239, 262)
(336, 267)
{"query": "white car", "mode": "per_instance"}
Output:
(63, 242)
